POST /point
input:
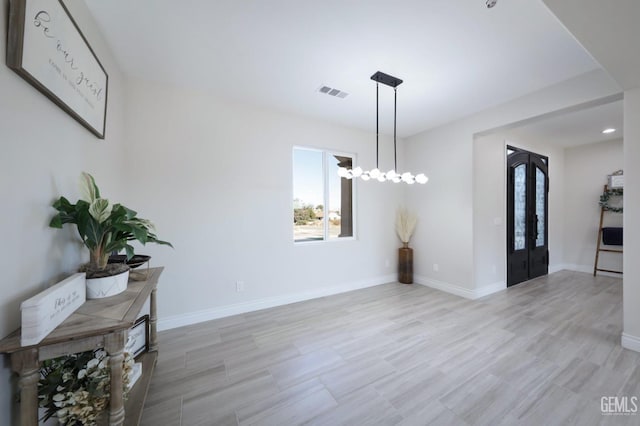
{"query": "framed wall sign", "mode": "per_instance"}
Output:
(138, 338)
(47, 49)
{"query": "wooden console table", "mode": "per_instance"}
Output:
(98, 323)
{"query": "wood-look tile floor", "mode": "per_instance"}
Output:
(541, 353)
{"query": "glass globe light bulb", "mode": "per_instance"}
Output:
(374, 173)
(396, 179)
(422, 178)
(406, 176)
(357, 172)
(365, 176)
(342, 171)
(349, 175)
(381, 178)
(391, 174)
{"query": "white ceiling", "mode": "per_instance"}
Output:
(456, 57)
(575, 128)
(610, 30)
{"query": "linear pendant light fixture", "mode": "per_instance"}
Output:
(391, 175)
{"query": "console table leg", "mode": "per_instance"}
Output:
(27, 365)
(114, 345)
(153, 322)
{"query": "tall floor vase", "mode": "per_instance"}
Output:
(405, 264)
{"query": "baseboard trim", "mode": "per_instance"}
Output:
(458, 290)
(181, 320)
(558, 268)
(490, 289)
(630, 342)
(582, 268)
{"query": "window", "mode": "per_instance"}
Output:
(322, 200)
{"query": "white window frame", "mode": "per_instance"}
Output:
(325, 180)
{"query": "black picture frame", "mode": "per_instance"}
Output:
(138, 337)
(46, 48)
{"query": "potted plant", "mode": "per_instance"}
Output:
(405, 225)
(104, 228)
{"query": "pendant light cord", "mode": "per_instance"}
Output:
(395, 109)
(377, 123)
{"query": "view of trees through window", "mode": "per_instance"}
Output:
(322, 200)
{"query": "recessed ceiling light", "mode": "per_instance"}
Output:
(609, 130)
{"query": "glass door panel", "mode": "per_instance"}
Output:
(541, 198)
(520, 207)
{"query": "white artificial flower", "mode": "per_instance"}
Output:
(61, 414)
(82, 373)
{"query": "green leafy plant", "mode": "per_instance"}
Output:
(102, 226)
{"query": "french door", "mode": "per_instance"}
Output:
(527, 215)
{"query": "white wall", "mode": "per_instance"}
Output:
(43, 152)
(489, 210)
(490, 204)
(609, 32)
(631, 282)
(218, 178)
(586, 170)
(446, 233)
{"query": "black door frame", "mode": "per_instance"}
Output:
(531, 261)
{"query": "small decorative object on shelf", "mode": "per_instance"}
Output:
(405, 225)
(76, 388)
(134, 375)
(104, 228)
(136, 261)
(46, 310)
(616, 180)
(138, 339)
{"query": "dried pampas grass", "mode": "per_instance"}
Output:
(405, 224)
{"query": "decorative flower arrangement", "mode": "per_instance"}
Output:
(405, 225)
(75, 388)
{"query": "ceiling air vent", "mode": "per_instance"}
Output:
(333, 92)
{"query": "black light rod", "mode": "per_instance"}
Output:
(377, 123)
(395, 109)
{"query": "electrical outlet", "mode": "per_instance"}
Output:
(436, 267)
(239, 286)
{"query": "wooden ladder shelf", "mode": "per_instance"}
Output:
(599, 244)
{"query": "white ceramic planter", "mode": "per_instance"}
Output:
(97, 288)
